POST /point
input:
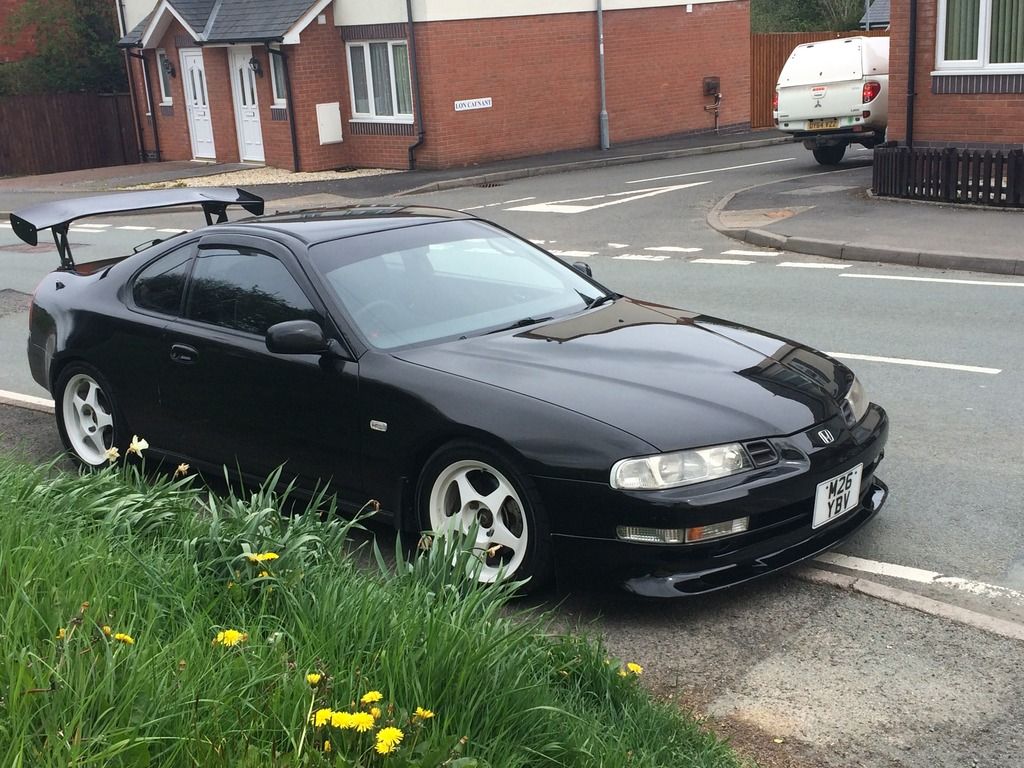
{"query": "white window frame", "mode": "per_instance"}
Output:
(978, 66)
(371, 117)
(165, 97)
(275, 84)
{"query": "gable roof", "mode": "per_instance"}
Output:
(877, 15)
(228, 21)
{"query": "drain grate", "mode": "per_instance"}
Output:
(490, 184)
(13, 302)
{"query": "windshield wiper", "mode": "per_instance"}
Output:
(522, 323)
(602, 299)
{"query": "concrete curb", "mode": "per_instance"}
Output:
(582, 165)
(854, 251)
(28, 402)
(1001, 627)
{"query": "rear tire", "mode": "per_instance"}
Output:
(829, 155)
(88, 418)
(464, 483)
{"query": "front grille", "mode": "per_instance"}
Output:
(762, 453)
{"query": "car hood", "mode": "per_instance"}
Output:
(671, 378)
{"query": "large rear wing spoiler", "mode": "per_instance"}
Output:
(57, 216)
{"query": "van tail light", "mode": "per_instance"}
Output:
(775, 102)
(871, 90)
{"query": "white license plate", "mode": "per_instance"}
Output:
(822, 125)
(837, 496)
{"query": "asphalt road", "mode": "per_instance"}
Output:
(841, 679)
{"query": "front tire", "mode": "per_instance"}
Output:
(465, 484)
(829, 155)
(88, 420)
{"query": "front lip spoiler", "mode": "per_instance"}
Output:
(712, 580)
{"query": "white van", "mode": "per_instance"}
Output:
(835, 93)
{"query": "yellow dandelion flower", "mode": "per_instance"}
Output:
(622, 673)
(229, 637)
(388, 740)
(182, 470)
(375, 711)
(137, 445)
(342, 720)
(322, 717)
(107, 630)
(231, 585)
(362, 721)
(62, 633)
(327, 746)
(264, 574)
(371, 697)
(113, 454)
(423, 714)
(262, 557)
(313, 678)
(636, 669)
(121, 637)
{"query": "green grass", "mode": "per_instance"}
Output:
(166, 563)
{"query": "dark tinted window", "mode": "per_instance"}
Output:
(245, 291)
(161, 285)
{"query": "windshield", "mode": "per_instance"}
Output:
(447, 280)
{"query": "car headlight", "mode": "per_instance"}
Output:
(855, 404)
(670, 470)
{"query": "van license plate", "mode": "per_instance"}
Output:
(822, 125)
(837, 496)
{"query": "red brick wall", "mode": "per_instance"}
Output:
(172, 128)
(23, 45)
(277, 138)
(943, 119)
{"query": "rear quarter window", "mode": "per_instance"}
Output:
(160, 287)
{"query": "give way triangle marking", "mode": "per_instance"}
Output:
(564, 206)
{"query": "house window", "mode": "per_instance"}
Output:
(981, 35)
(278, 80)
(163, 65)
(379, 81)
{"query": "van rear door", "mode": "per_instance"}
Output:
(822, 82)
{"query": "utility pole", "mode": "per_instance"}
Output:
(603, 119)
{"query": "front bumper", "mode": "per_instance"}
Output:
(779, 501)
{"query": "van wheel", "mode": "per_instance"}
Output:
(829, 155)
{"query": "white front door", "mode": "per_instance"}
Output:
(247, 108)
(197, 103)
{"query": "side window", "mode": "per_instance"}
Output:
(244, 290)
(161, 286)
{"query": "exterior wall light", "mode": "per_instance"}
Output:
(255, 66)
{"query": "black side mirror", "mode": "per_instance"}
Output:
(582, 266)
(297, 337)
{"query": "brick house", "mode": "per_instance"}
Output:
(968, 74)
(348, 83)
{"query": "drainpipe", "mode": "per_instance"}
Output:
(136, 119)
(291, 102)
(414, 71)
(602, 120)
(149, 92)
(911, 73)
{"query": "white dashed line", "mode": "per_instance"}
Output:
(575, 254)
(674, 249)
(92, 226)
(938, 280)
(749, 253)
(618, 245)
(733, 262)
(713, 170)
(641, 257)
(812, 265)
(495, 205)
(173, 231)
(917, 363)
(131, 228)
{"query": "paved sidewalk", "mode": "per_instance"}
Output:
(834, 215)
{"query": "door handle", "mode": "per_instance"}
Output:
(183, 353)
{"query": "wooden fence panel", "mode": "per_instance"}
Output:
(950, 175)
(47, 133)
(768, 54)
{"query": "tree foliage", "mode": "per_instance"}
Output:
(805, 15)
(75, 44)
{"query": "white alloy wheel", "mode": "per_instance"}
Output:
(88, 419)
(469, 492)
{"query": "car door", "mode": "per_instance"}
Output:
(237, 403)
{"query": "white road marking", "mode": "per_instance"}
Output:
(173, 231)
(539, 242)
(918, 363)
(674, 249)
(26, 401)
(132, 228)
(920, 576)
(495, 205)
(5, 225)
(562, 206)
(812, 265)
(749, 253)
(85, 229)
(713, 170)
(938, 280)
(735, 262)
(618, 245)
(92, 226)
(641, 257)
(575, 254)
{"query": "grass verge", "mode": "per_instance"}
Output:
(147, 622)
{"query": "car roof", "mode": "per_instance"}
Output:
(323, 224)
